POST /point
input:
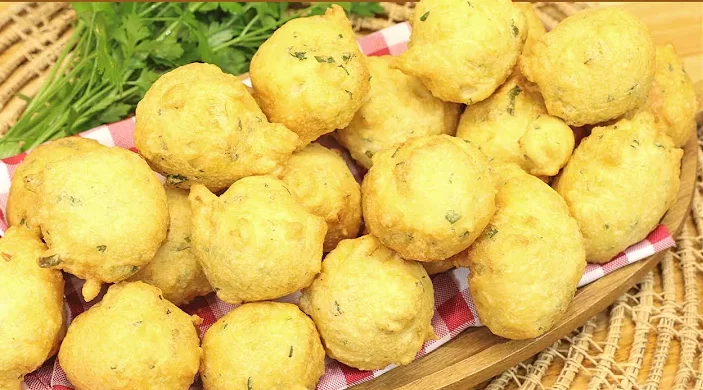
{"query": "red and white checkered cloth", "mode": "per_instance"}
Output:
(454, 309)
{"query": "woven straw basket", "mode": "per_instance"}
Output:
(650, 338)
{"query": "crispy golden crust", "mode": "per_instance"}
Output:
(397, 108)
(463, 50)
(32, 311)
(24, 189)
(132, 339)
(372, 308)
(197, 124)
(323, 184)
(619, 183)
(255, 242)
(282, 351)
(310, 75)
(175, 269)
(535, 27)
(527, 263)
(437, 267)
(422, 224)
(512, 126)
(103, 215)
(594, 66)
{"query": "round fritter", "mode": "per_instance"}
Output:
(397, 108)
(372, 308)
(594, 66)
(31, 307)
(283, 350)
(23, 198)
(463, 50)
(619, 183)
(310, 75)
(437, 267)
(323, 184)
(428, 225)
(255, 242)
(535, 27)
(672, 99)
(197, 124)
(512, 126)
(132, 339)
(527, 263)
(175, 269)
(103, 215)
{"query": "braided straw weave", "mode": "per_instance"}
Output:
(650, 338)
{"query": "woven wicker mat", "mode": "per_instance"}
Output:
(650, 338)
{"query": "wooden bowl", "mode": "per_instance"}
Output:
(476, 354)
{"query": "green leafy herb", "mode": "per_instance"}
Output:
(346, 57)
(249, 385)
(368, 153)
(338, 309)
(351, 95)
(23, 222)
(452, 216)
(322, 59)
(175, 179)
(424, 17)
(491, 232)
(516, 31)
(606, 226)
(344, 69)
(658, 145)
(512, 94)
(49, 261)
(671, 68)
(290, 353)
(469, 3)
(101, 248)
(300, 55)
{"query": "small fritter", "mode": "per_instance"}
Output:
(535, 27)
(463, 50)
(175, 269)
(132, 339)
(428, 225)
(31, 308)
(372, 308)
(197, 124)
(397, 108)
(282, 351)
(527, 263)
(323, 184)
(437, 267)
(513, 126)
(619, 183)
(596, 65)
(103, 215)
(310, 75)
(255, 242)
(24, 189)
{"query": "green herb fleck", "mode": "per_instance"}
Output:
(240, 125)
(175, 179)
(424, 17)
(395, 152)
(452, 216)
(340, 36)
(469, 3)
(512, 94)
(368, 153)
(587, 61)
(611, 98)
(249, 385)
(300, 55)
(671, 68)
(606, 226)
(290, 353)
(516, 31)
(660, 145)
(168, 311)
(346, 57)
(491, 232)
(339, 309)
(101, 248)
(49, 261)
(634, 141)
(344, 69)
(23, 222)
(322, 59)
(465, 234)
(184, 245)
(351, 95)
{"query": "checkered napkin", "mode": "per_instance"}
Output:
(454, 308)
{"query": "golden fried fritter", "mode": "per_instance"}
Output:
(397, 108)
(535, 27)
(255, 242)
(596, 65)
(31, 308)
(323, 184)
(283, 350)
(132, 339)
(619, 183)
(512, 126)
(23, 198)
(197, 124)
(372, 308)
(430, 198)
(463, 50)
(175, 269)
(310, 75)
(103, 215)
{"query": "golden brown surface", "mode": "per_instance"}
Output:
(372, 308)
(535, 27)
(282, 351)
(32, 311)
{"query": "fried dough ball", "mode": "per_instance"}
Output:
(132, 339)
(175, 269)
(31, 308)
(283, 350)
(535, 27)
(532, 241)
(397, 108)
(463, 50)
(512, 126)
(255, 242)
(619, 183)
(323, 184)
(372, 308)
(437, 267)
(23, 198)
(310, 75)
(672, 99)
(103, 215)
(428, 225)
(197, 124)
(594, 66)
